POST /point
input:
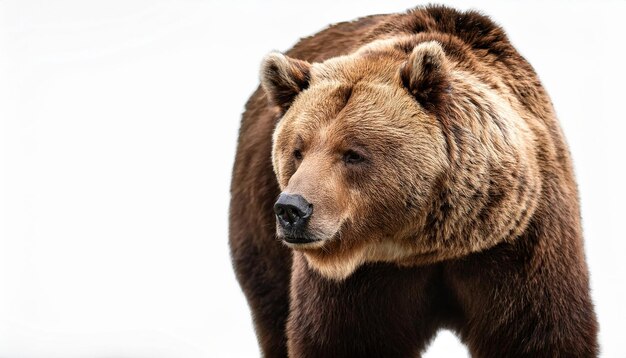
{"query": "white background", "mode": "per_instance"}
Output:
(118, 128)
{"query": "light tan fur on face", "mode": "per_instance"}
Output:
(431, 191)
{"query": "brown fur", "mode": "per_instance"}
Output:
(460, 210)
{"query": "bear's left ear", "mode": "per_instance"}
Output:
(283, 78)
(425, 74)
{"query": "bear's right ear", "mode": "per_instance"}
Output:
(283, 78)
(426, 74)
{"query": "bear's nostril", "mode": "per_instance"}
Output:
(290, 215)
(293, 215)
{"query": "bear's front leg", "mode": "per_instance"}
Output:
(526, 299)
(379, 311)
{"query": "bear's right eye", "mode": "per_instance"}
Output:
(297, 154)
(352, 157)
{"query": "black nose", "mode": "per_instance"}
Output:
(292, 211)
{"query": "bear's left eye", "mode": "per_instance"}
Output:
(352, 157)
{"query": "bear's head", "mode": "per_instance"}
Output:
(395, 153)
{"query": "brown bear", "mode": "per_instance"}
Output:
(404, 173)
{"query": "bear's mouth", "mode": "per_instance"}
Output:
(301, 241)
(308, 238)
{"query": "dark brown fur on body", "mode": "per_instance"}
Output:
(479, 233)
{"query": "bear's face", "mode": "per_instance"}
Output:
(357, 154)
(351, 150)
